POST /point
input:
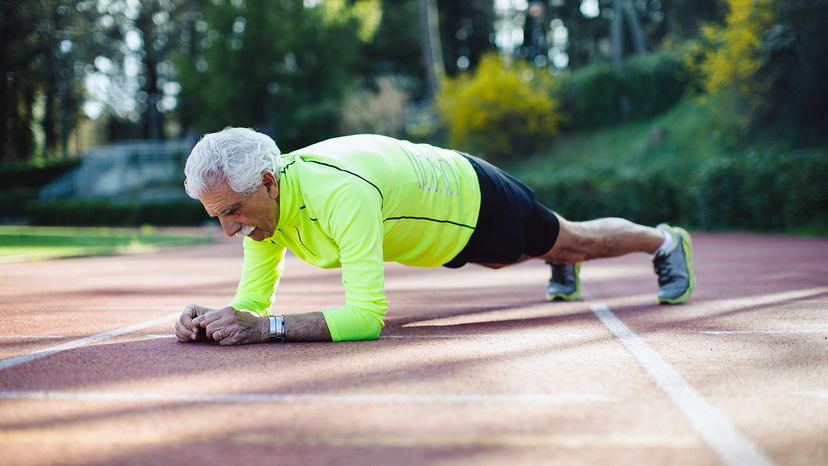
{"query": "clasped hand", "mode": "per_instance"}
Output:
(227, 326)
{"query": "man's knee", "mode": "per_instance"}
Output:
(492, 265)
(573, 244)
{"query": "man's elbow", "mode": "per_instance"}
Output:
(352, 324)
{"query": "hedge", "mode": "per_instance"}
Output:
(34, 174)
(21, 183)
(100, 212)
(765, 191)
(652, 83)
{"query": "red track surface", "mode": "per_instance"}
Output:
(473, 367)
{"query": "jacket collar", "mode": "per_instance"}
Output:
(290, 196)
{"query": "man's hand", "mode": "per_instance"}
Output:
(185, 329)
(231, 327)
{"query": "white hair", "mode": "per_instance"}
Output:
(236, 156)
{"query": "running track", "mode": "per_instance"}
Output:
(473, 367)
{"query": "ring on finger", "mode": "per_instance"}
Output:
(219, 334)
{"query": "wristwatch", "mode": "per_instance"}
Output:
(277, 329)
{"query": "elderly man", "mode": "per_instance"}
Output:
(357, 201)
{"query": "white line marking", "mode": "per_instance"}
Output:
(309, 397)
(42, 353)
(31, 337)
(732, 447)
(763, 331)
(426, 336)
(823, 394)
(550, 334)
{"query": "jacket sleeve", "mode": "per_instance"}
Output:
(263, 265)
(354, 221)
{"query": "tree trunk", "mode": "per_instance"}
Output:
(432, 49)
(23, 143)
(50, 95)
(617, 35)
(151, 117)
(50, 74)
(6, 17)
(617, 52)
(639, 43)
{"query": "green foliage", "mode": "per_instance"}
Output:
(34, 174)
(500, 111)
(652, 83)
(396, 48)
(179, 212)
(769, 60)
(590, 97)
(21, 182)
(691, 177)
(26, 242)
(768, 191)
(13, 201)
(735, 56)
(794, 71)
(275, 66)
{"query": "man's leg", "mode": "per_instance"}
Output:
(604, 237)
(594, 239)
(612, 237)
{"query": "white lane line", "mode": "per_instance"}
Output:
(822, 394)
(763, 331)
(309, 397)
(458, 336)
(732, 447)
(504, 335)
(30, 337)
(42, 353)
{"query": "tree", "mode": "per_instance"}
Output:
(466, 32)
(793, 72)
(280, 67)
(431, 46)
(649, 22)
(18, 51)
(396, 49)
(48, 47)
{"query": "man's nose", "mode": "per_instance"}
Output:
(230, 227)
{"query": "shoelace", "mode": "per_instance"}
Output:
(559, 274)
(664, 270)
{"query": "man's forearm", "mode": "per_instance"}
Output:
(306, 327)
(301, 327)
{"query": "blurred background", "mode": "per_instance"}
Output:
(708, 113)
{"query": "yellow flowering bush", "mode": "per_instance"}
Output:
(736, 56)
(500, 110)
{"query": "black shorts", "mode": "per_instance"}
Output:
(511, 222)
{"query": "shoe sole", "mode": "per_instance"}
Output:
(573, 296)
(687, 248)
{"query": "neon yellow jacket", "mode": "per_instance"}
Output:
(357, 201)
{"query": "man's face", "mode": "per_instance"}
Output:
(238, 213)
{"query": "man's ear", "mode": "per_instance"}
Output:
(271, 185)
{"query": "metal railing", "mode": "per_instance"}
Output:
(125, 170)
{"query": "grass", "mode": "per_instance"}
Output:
(34, 243)
(688, 134)
(689, 165)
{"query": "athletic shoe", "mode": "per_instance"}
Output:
(675, 268)
(564, 284)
